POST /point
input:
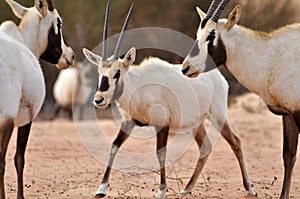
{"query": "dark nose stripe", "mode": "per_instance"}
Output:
(104, 84)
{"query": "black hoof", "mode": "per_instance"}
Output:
(100, 195)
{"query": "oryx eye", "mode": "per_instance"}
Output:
(211, 36)
(117, 75)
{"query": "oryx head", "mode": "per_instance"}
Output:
(110, 69)
(41, 27)
(209, 50)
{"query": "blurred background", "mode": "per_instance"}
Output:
(83, 25)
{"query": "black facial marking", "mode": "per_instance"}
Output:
(204, 22)
(118, 91)
(138, 123)
(65, 41)
(50, 5)
(117, 75)
(184, 71)
(296, 116)
(278, 110)
(195, 50)
(211, 37)
(59, 24)
(218, 52)
(41, 5)
(104, 84)
(53, 51)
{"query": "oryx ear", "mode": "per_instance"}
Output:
(200, 13)
(234, 17)
(17, 9)
(42, 7)
(129, 57)
(92, 57)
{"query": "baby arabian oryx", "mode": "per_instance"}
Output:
(136, 89)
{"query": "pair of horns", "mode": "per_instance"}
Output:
(215, 10)
(121, 37)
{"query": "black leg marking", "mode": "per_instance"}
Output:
(6, 128)
(122, 136)
(290, 142)
(23, 134)
(296, 116)
(138, 123)
(161, 150)
(199, 138)
(278, 111)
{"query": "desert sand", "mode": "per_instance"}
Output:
(58, 164)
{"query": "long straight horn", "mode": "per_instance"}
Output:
(121, 37)
(219, 10)
(212, 8)
(105, 32)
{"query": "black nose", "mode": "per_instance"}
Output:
(99, 101)
(184, 71)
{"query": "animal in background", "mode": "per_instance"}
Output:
(73, 90)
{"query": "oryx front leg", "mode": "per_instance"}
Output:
(235, 144)
(161, 150)
(23, 134)
(205, 148)
(6, 129)
(122, 136)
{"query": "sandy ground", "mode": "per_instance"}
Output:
(58, 165)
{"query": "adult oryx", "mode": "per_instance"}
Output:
(22, 85)
(266, 63)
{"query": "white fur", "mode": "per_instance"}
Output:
(273, 61)
(22, 83)
(157, 93)
(161, 193)
(64, 87)
(102, 189)
(75, 85)
(266, 63)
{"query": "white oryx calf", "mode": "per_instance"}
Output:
(184, 103)
(266, 63)
(22, 85)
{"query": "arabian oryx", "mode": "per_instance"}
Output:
(73, 89)
(137, 89)
(22, 85)
(266, 63)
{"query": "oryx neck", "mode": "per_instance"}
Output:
(247, 56)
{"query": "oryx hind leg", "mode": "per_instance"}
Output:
(290, 143)
(236, 147)
(161, 150)
(205, 148)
